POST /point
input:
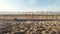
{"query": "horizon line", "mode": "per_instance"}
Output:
(37, 12)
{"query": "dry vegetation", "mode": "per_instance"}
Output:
(33, 27)
(29, 27)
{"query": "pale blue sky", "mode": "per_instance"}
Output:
(29, 5)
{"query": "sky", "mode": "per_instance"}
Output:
(29, 5)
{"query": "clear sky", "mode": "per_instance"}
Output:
(29, 5)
